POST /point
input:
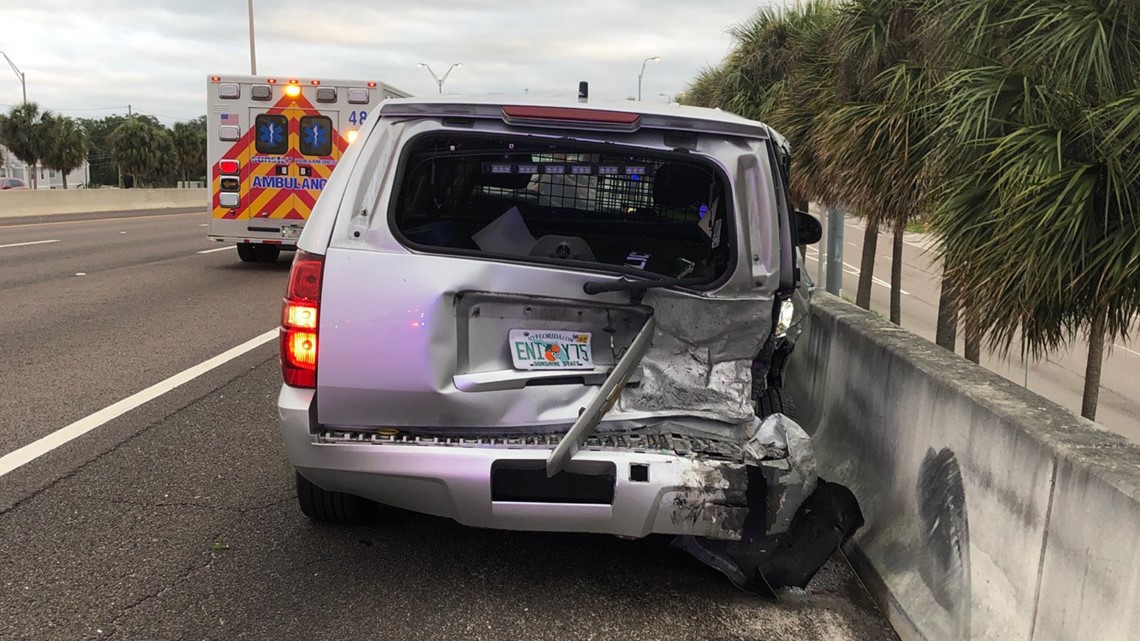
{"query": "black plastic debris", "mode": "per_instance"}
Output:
(763, 564)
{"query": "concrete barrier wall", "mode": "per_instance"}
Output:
(38, 202)
(992, 513)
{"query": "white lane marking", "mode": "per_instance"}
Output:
(1119, 346)
(854, 271)
(102, 220)
(34, 450)
(220, 249)
(34, 242)
(861, 228)
(204, 225)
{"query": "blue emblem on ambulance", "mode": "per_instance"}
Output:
(271, 134)
(316, 136)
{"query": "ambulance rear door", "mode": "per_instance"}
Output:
(319, 148)
(294, 151)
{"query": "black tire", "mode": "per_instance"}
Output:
(246, 252)
(332, 507)
(769, 401)
(266, 253)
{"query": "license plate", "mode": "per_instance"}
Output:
(292, 231)
(545, 349)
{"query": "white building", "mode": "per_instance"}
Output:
(13, 167)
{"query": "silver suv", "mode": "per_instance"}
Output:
(535, 315)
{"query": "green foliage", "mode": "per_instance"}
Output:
(189, 139)
(22, 132)
(1038, 207)
(1013, 127)
(877, 148)
(65, 147)
(103, 168)
(780, 71)
(153, 153)
(142, 149)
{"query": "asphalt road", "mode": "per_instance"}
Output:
(177, 519)
(1059, 377)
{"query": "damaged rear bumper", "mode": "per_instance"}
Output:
(626, 485)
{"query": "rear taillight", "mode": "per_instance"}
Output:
(300, 314)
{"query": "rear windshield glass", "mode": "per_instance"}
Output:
(565, 201)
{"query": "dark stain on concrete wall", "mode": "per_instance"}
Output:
(945, 536)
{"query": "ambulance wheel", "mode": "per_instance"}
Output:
(246, 252)
(266, 253)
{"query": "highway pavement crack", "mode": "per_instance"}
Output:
(228, 528)
(179, 580)
(203, 506)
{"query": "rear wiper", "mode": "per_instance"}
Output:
(600, 286)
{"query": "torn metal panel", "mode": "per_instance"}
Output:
(700, 361)
(784, 453)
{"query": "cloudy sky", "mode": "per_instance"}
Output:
(91, 58)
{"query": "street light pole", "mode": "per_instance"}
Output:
(439, 81)
(19, 74)
(640, 75)
(252, 49)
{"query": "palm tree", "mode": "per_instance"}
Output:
(780, 71)
(876, 141)
(189, 149)
(21, 131)
(706, 90)
(140, 148)
(65, 148)
(803, 92)
(1038, 222)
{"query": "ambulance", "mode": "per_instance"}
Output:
(272, 143)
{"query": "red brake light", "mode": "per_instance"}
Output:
(228, 166)
(571, 115)
(300, 316)
(305, 278)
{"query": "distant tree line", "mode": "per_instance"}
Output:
(123, 151)
(1011, 128)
